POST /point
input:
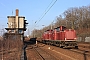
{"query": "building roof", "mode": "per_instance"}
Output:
(15, 16)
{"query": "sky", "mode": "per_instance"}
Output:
(33, 10)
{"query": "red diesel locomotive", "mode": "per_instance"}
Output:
(61, 37)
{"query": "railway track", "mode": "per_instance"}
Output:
(85, 54)
(78, 54)
(39, 56)
(84, 46)
(42, 54)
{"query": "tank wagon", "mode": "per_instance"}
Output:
(61, 37)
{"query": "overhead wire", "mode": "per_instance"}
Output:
(46, 11)
(43, 13)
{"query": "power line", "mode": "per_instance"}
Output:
(47, 10)
(47, 7)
